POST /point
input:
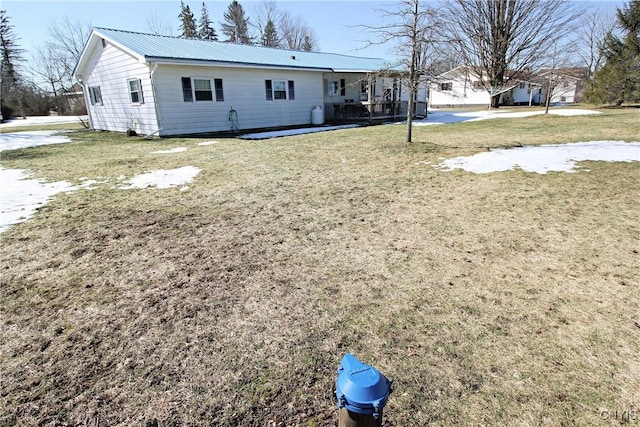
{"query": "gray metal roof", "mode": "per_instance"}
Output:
(155, 48)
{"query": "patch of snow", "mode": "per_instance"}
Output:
(41, 120)
(291, 132)
(170, 151)
(545, 158)
(17, 140)
(208, 143)
(21, 197)
(438, 117)
(89, 184)
(163, 178)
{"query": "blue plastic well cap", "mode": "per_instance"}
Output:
(361, 388)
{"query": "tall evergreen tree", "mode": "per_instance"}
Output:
(270, 37)
(187, 22)
(9, 74)
(236, 25)
(205, 30)
(618, 81)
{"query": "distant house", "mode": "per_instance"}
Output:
(568, 84)
(460, 87)
(170, 86)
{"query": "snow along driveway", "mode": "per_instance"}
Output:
(439, 117)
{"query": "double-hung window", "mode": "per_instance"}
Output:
(446, 86)
(95, 95)
(202, 89)
(279, 90)
(135, 91)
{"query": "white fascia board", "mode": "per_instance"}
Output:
(226, 64)
(95, 39)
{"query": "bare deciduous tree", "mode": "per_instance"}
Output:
(409, 26)
(55, 60)
(500, 39)
(69, 37)
(296, 34)
(596, 23)
(158, 25)
(291, 32)
(264, 12)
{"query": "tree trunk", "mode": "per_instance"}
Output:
(495, 101)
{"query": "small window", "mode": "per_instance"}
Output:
(219, 90)
(135, 91)
(364, 90)
(292, 91)
(446, 86)
(95, 95)
(202, 89)
(279, 90)
(477, 85)
(186, 89)
(343, 87)
(521, 85)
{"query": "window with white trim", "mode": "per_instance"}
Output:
(135, 91)
(446, 86)
(279, 90)
(202, 90)
(95, 95)
(195, 89)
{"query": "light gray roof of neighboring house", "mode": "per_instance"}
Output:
(155, 48)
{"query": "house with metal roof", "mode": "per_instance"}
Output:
(462, 87)
(166, 86)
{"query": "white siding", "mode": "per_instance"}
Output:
(462, 93)
(244, 92)
(521, 93)
(111, 69)
(564, 91)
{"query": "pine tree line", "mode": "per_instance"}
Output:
(618, 81)
(276, 29)
(189, 27)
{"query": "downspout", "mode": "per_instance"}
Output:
(155, 100)
(87, 102)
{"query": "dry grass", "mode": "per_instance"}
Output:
(499, 299)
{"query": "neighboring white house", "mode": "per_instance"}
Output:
(171, 86)
(568, 84)
(460, 87)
